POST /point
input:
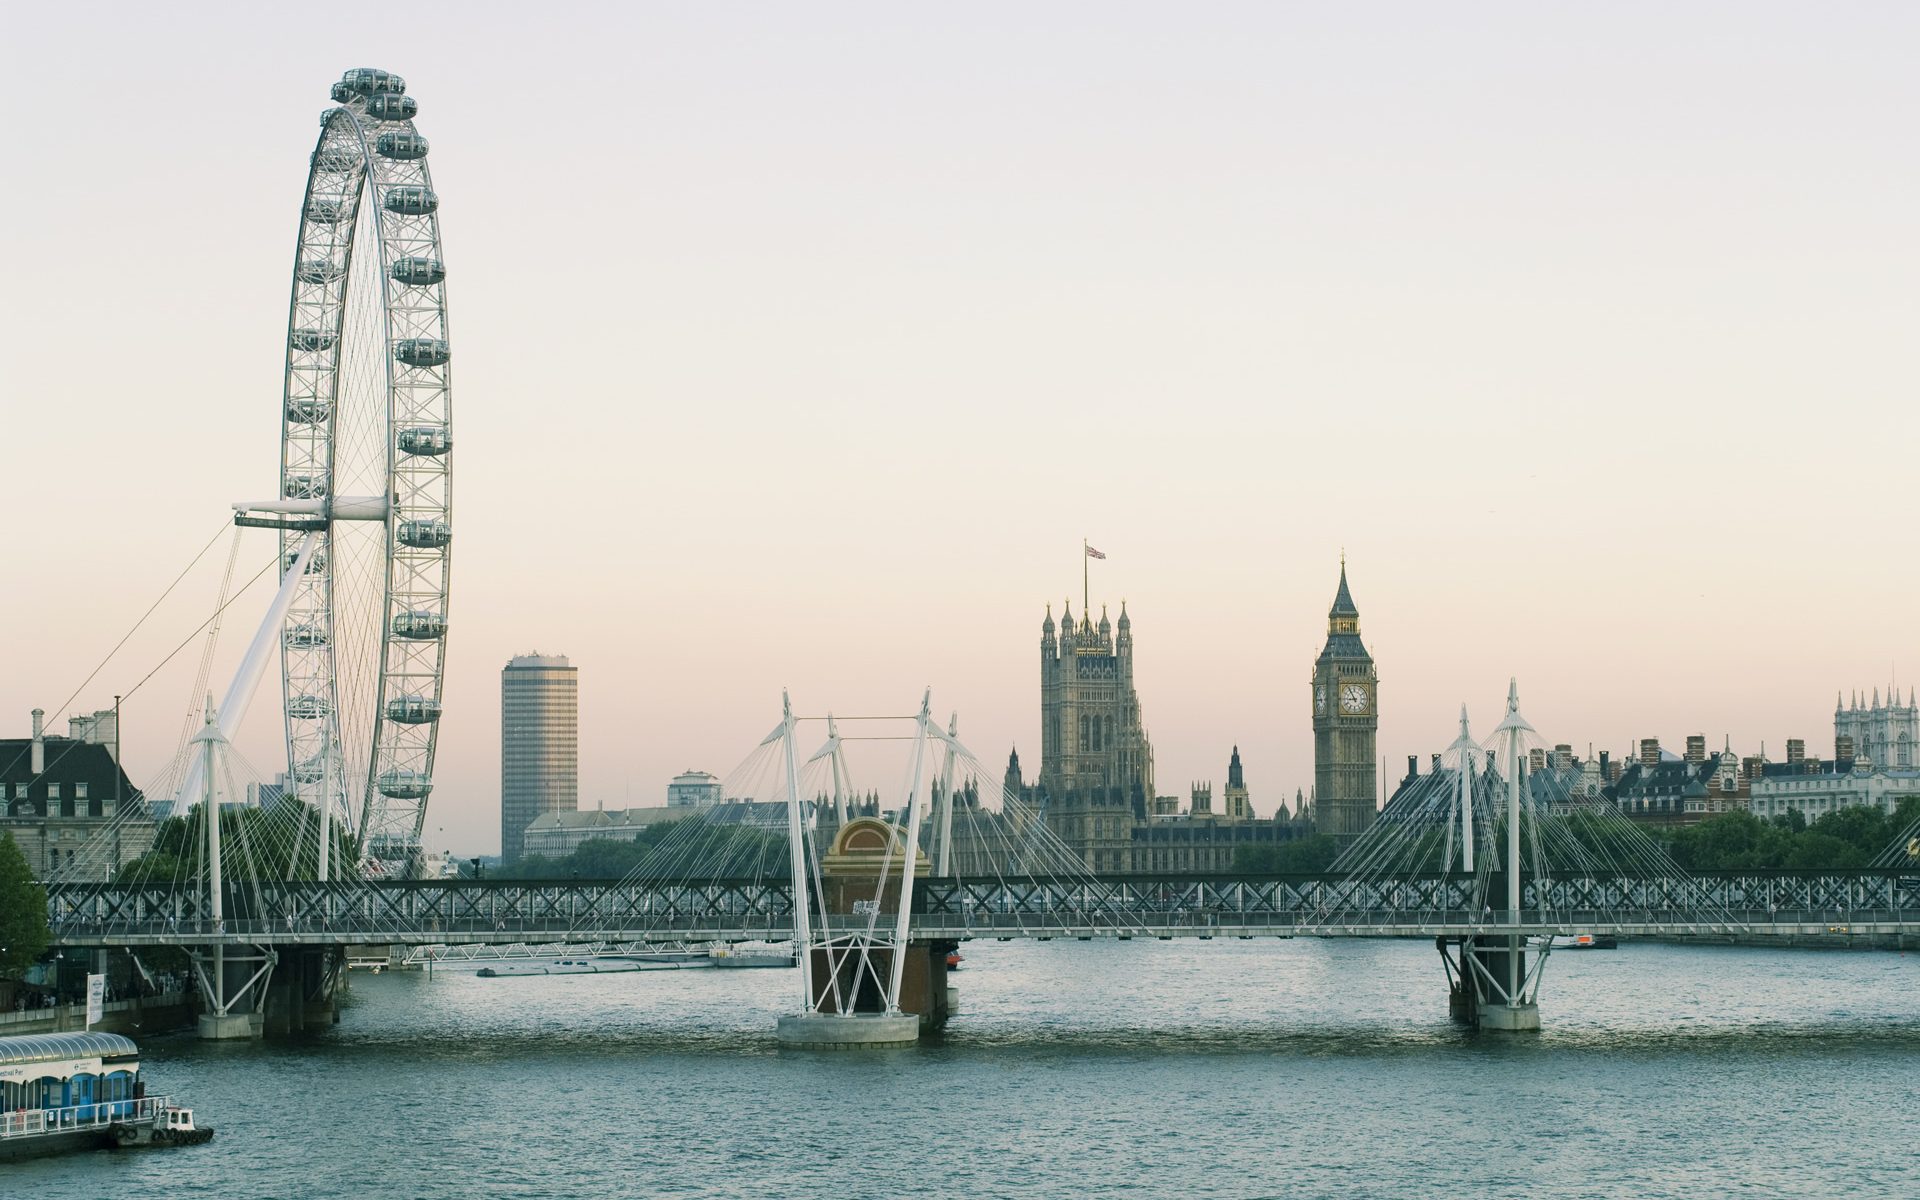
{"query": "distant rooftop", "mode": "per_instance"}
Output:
(538, 660)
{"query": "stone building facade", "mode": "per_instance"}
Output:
(68, 804)
(1096, 761)
(1884, 735)
(1095, 789)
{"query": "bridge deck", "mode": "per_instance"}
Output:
(490, 912)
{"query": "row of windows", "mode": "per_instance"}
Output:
(53, 791)
(68, 807)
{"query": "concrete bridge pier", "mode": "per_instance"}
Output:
(1490, 984)
(1507, 1004)
(233, 984)
(301, 996)
(855, 1014)
(848, 1005)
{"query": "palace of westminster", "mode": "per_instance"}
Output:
(1096, 787)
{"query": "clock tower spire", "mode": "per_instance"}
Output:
(1346, 723)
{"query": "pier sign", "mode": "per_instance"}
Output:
(50, 1070)
(96, 998)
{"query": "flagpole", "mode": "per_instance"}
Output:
(1085, 591)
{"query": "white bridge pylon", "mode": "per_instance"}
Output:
(246, 680)
(863, 943)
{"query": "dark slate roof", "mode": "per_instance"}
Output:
(69, 761)
(1344, 646)
(1669, 777)
(1806, 766)
(1343, 600)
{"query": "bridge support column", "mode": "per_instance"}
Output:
(233, 990)
(301, 995)
(1490, 983)
(926, 998)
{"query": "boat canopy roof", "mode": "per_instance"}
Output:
(48, 1047)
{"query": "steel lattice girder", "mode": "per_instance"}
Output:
(423, 911)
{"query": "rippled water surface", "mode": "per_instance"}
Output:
(1243, 1069)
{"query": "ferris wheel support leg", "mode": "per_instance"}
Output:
(246, 681)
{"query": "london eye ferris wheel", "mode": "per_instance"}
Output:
(365, 504)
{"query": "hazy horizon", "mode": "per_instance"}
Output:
(801, 349)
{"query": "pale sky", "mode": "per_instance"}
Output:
(799, 346)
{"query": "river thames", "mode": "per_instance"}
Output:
(1139, 1069)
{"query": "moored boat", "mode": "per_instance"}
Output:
(722, 956)
(83, 1091)
(1594, 941)
(607, 965)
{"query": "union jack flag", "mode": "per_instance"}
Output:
(1092, 553)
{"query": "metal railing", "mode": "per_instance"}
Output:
(101, 1115)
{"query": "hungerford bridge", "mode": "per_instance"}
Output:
(878, 921)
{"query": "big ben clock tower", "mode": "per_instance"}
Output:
(1346, 721)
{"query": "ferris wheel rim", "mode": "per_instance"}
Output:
(369, 168)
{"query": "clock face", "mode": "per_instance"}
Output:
(1320, 698)
(1353, 698)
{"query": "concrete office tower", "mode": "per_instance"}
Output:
(539, 744)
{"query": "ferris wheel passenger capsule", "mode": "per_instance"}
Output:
(303, 487)
(422, 352)
(367, 81)
(412, 201)
(404, 784)
(309, 707)
(306, 636)
(418, 272)
(336, 159)
(313, 341)
(318, 270)
(308, 410)
(420, 625)
(322, 210)
(316, 563)
(391, 106)
(426, 439)
(426, 535)
(413, 710)
(310, 770)
(401, 145)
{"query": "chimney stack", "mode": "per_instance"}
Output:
(1436, 764)
(39, 765)
(1413, 764)
(1649, 752)
(101, 728)
(1696, 747)
(1604, 756)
